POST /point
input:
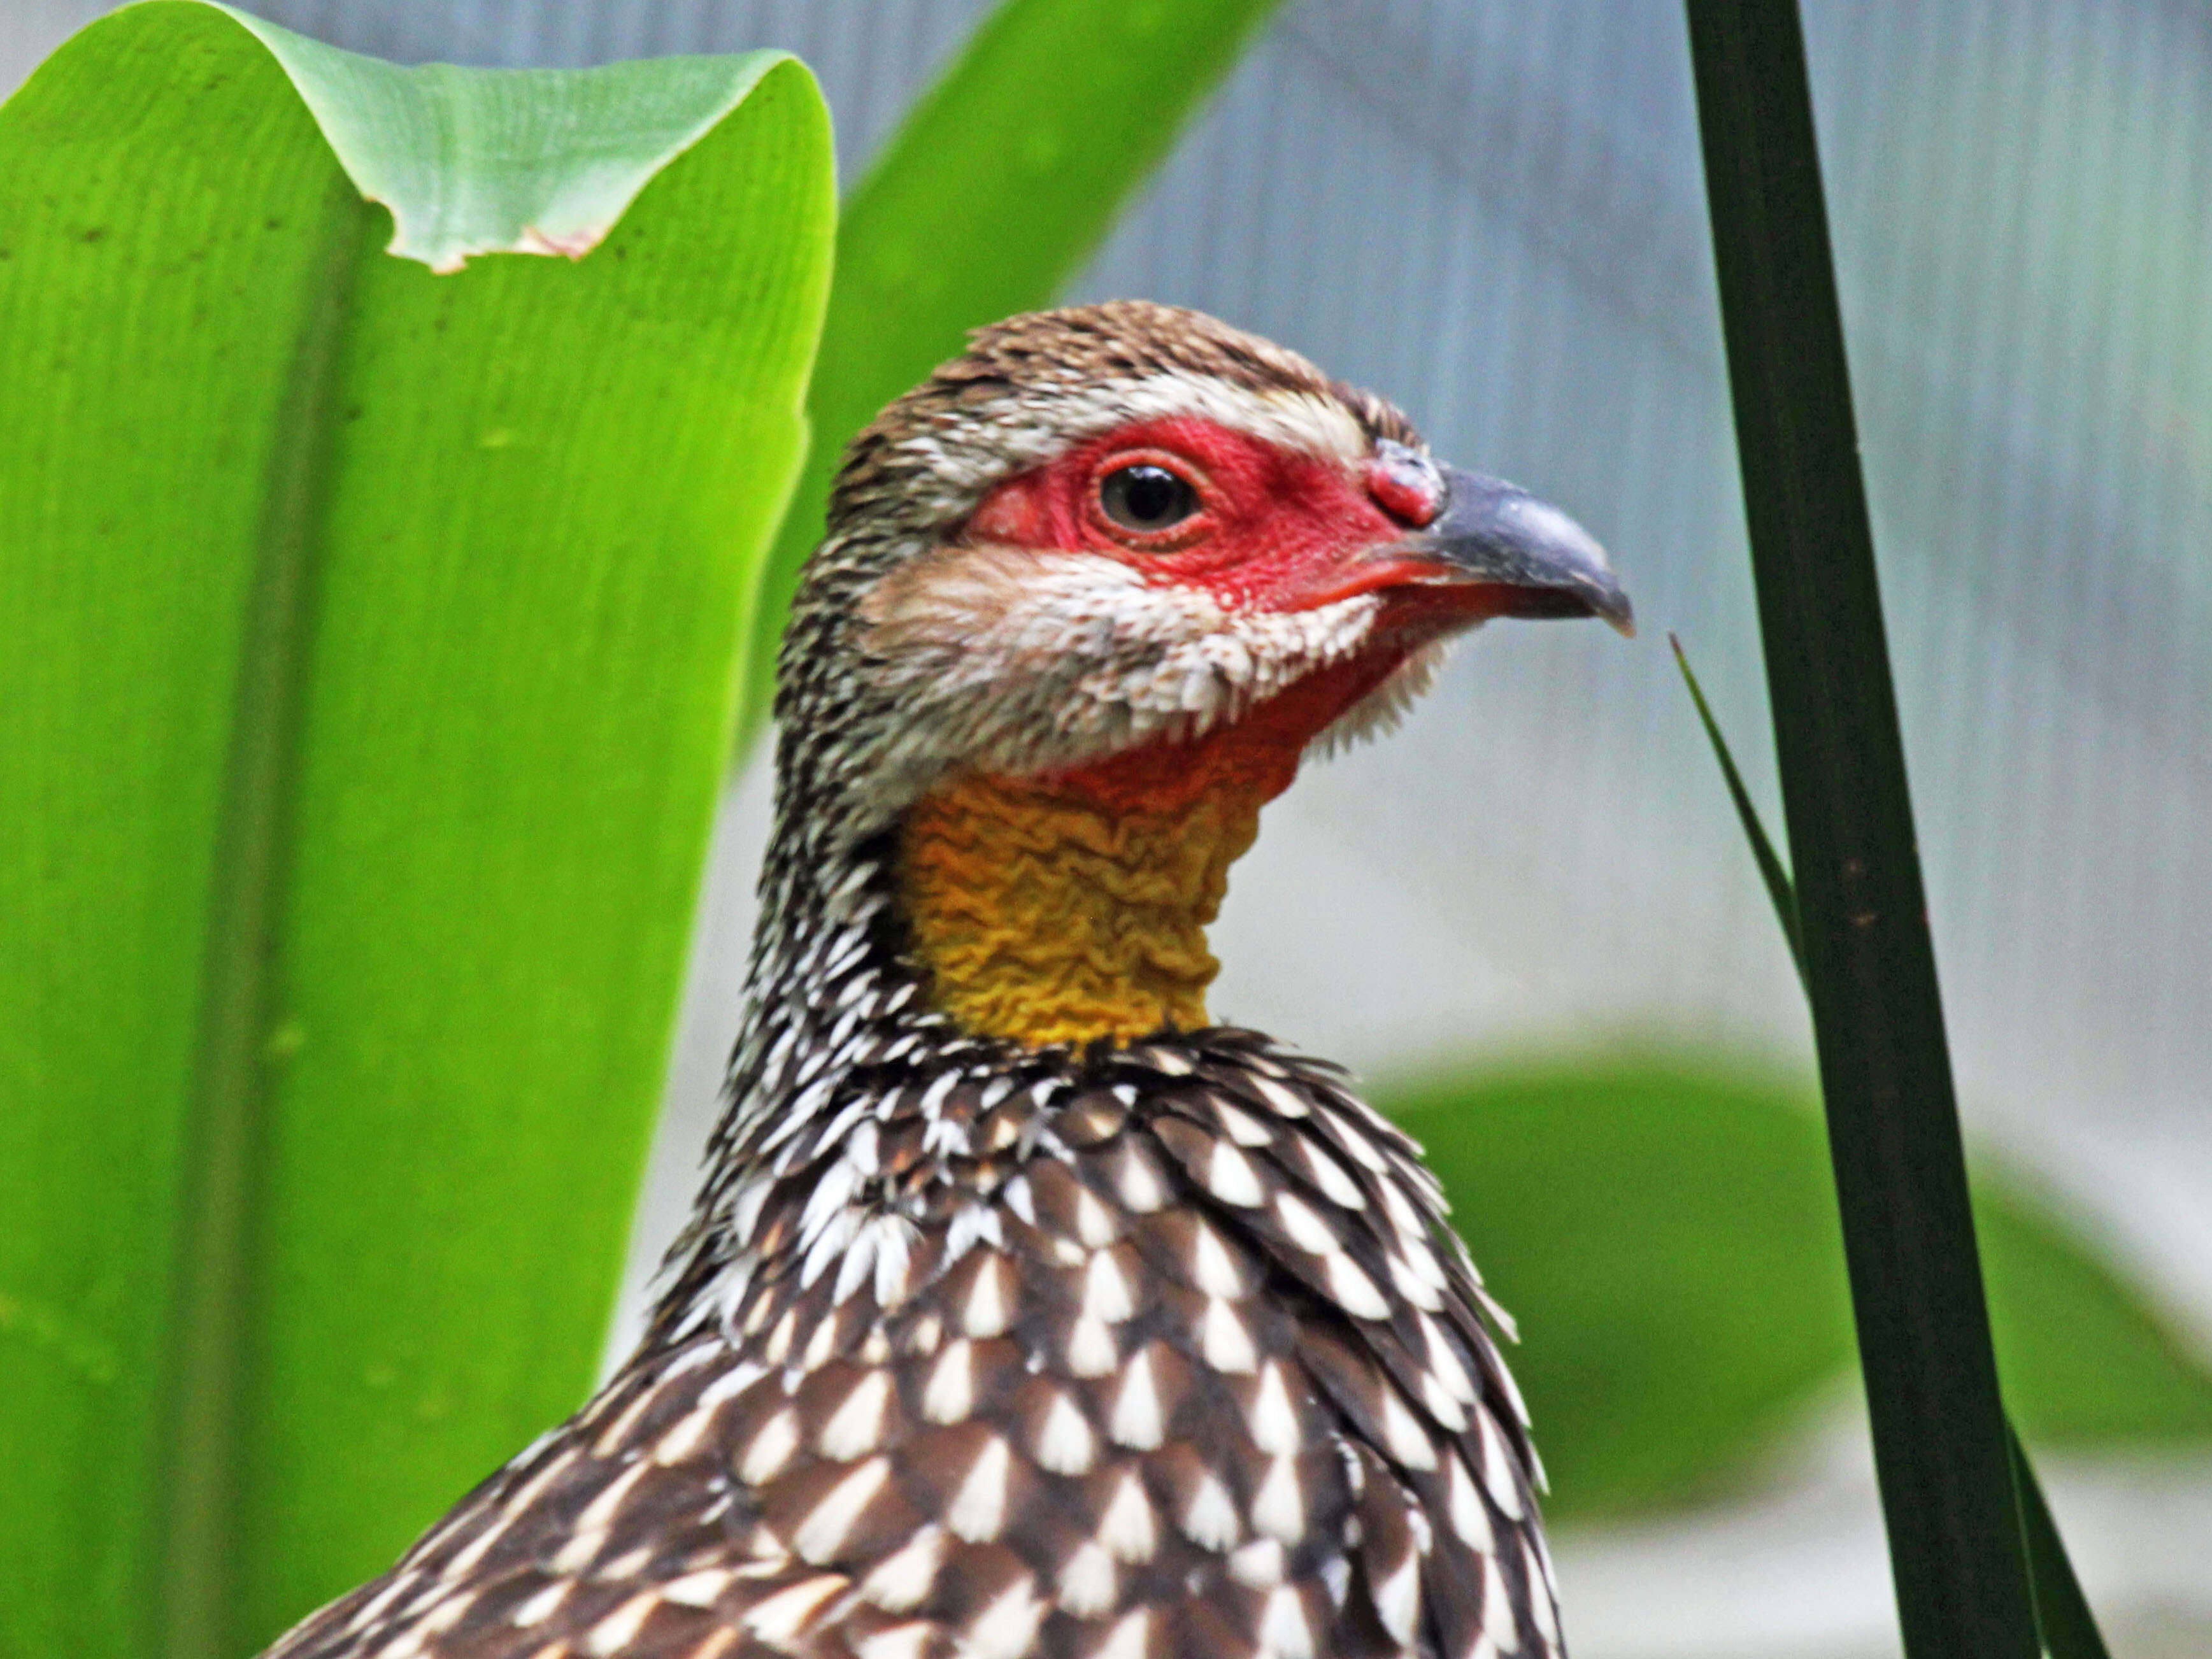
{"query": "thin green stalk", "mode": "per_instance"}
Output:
(1931, 1378)
(2066, 1627)
(2062, 1611)
(1778, 889)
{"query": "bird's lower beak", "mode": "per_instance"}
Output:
(1531, 559)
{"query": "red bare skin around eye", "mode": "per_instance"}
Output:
(1277, 530)
(1271, 520)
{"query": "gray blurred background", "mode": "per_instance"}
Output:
(1491, 211)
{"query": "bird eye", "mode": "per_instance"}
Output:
(1146, 498)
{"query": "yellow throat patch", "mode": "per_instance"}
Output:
(1045, 917)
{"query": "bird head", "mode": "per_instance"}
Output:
(1089, 594)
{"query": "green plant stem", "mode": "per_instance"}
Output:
(1783, 895)
(2068, 1628)
(2060, 1606)
(1932, 1400)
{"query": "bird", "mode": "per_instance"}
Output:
(1023, 1308)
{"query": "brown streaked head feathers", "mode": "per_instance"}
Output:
(1065, 358)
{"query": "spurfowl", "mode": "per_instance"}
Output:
(1024, 1310)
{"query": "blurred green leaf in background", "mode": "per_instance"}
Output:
(1665, 1229)
(371, 654)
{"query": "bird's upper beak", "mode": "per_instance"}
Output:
(1530, 559)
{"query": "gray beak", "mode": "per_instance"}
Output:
(1492, 532)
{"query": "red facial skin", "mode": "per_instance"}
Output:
(1277, 530)
(1273, 524)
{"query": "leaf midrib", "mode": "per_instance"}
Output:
(198, 1516)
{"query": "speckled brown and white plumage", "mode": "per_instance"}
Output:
(974, 1348)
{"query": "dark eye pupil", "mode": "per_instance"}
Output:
(1146, 498)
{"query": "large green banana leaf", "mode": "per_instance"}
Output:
(373, 625)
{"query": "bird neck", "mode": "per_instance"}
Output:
(1043, 915)
(1072, 906)
(985, 934)
(1015, 911)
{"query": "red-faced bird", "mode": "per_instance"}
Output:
(1024, 1310)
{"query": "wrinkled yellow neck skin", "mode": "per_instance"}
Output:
(1044, 916)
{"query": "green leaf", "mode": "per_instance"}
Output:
(2065, 1328)
(1664, 1236)
(2086, 1357)
(2019, 1254)
(989, 197)
(2063, 1617)
(372, 644)
(1663, 1228)
(1939, 1439)
(525, 161)
(1779, 892)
